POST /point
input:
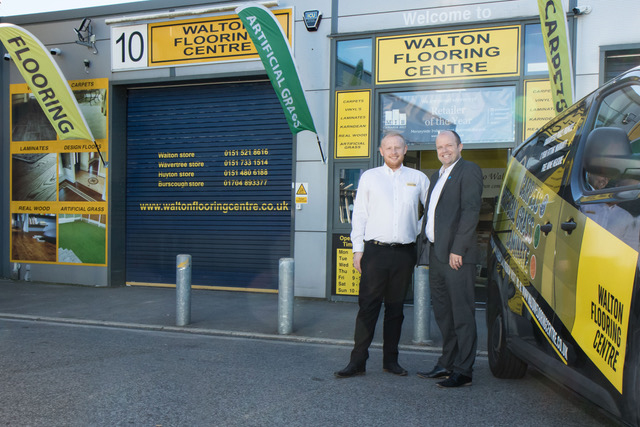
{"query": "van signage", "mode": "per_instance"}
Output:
(606, 265)
(603, 299)
(524, 205)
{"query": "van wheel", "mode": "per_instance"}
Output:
(503, 363)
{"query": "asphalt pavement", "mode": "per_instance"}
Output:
(212, 312)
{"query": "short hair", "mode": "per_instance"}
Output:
(455, 135)
(393, 133)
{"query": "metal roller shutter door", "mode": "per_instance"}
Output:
(239, 134)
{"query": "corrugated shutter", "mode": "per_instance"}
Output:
(233, 129)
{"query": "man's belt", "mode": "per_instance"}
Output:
(388, 245)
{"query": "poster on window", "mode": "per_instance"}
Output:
(478, 115)
(58, 187)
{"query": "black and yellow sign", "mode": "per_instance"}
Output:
(352, 124)
(302, 194)
(554, 32)
(346, 277)
(219, 38)
(603, 300)
(479, 53)
(588, 290)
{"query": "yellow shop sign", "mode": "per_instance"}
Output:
(479, 53)
(218, 38)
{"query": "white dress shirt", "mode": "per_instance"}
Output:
(433, 201)
(386, 206)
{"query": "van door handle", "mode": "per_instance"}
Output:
(546, 228)
(569, 226)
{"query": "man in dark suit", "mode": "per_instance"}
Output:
(449, 233)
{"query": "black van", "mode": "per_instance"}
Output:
(563, 256)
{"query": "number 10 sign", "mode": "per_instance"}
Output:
(129, 47)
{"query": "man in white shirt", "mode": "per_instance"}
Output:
(385, 225)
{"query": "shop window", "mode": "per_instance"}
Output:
(354, 63)
(349, 180)
(535, 58)
(479, 115)
(618, 61)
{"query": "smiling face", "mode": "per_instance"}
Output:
(598, 182)
(392, 150)
(448, 149)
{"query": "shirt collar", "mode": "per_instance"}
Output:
(390, 171)
(447, 171)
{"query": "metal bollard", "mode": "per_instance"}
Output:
(285, 296)
(421, 306)
(183, 290)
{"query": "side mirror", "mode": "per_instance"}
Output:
(607, 152)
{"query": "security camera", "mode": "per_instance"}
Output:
(581, 10)
(55, 51)
(7, 57)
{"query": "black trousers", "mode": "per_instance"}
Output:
(453, 300)
(386, 276)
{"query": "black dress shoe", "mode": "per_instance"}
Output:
(351, 370)
(394, 368)
(455, 380)
(436, 372)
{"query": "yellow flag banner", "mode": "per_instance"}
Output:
(46, 82)
(556, 44)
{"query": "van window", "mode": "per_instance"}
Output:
(621, 109)
(549, 152)
(613, 201)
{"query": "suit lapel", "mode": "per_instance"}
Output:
(453, 176)
(432, 183)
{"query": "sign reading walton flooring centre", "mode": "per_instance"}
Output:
(184, 42)
(478, 53)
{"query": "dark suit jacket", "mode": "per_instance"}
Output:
(456, 215)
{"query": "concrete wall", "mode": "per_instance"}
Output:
(603, 26)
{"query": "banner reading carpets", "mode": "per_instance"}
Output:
(58, 189)
(556, 45)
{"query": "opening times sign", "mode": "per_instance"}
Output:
(346, 279)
